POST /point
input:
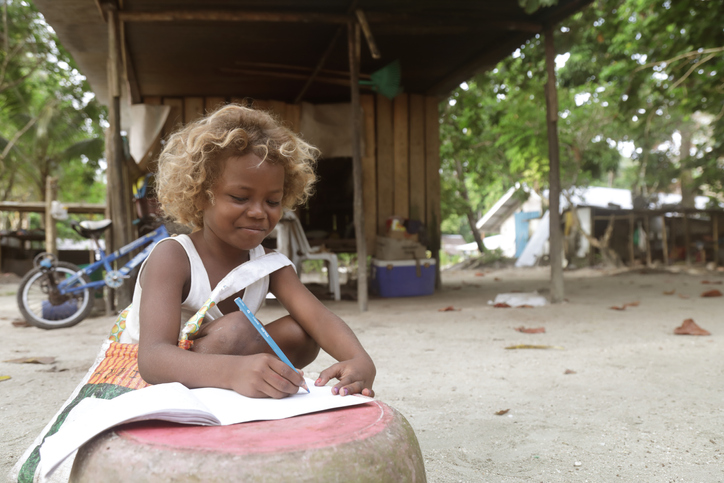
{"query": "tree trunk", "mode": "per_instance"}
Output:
(468, 208)
(686, 179)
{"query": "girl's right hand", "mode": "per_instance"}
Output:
(263, 375)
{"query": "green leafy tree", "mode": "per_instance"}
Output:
(639, 73)
(50, 123)
(658, 63)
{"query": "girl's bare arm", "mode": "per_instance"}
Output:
(355, 369)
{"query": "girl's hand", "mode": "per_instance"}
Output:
(263, 375)
(355, 377)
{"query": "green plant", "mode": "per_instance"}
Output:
(447, 260)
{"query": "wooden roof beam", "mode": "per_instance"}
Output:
(362, 20)
(424, 23)
(323, 59)
(230, 16)
(101, 10)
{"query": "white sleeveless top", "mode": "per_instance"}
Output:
(252, 276)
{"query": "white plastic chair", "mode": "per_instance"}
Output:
(292, 242)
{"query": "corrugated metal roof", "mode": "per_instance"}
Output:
(501, 211)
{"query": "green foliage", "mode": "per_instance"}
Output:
(448, 260)
(491, 256)
(50, 123)
(640, 73)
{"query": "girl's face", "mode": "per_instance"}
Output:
(247, 202)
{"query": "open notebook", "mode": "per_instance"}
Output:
(175, 402)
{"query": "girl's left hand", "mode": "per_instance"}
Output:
(355, 377)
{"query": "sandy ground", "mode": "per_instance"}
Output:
(642, 404)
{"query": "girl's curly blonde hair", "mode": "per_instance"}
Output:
(192, 160)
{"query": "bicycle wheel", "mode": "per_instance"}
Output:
(46, 310)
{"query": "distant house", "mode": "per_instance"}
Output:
(511, 221)
(520, 223)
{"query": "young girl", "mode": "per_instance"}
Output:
(230, 176)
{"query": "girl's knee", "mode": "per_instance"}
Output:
(231, 334)
(294, 340)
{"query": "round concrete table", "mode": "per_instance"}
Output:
(370, 442)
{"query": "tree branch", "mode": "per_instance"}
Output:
(691, 69)
(15, 138)
(685, 55)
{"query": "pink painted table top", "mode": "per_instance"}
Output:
(317, 430)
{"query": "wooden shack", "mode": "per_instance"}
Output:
(290, 56)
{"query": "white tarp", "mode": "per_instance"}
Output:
(531, 299)
(147, 121)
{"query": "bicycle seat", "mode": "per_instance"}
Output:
(88, 229)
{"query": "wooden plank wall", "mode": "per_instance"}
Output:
(400, 162)
(188, 109)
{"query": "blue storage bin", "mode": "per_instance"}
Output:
(403, 278)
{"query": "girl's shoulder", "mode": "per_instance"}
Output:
(167, 264)
(173, 253)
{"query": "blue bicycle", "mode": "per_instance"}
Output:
(58, 294)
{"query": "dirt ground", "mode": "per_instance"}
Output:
(618, 398)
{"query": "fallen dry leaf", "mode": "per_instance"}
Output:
(689, 327)
(711, 293)
(33, 360)
(717, 282)
(568, 371)
(501, 412)
(479, 274)
(532, 330)
(20, 323)
(525, 306)
(449, 308)
(682, 296)
(669, 292)
(497, 279)
(4, 378)
(501, 305)
(456, 288)
(623, 307)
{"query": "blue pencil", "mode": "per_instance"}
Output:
(260, 328)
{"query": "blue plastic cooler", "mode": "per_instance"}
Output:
(403, 278)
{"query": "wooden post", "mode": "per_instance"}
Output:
(432, 182)
(109, 293)
(631, 222)
(664, 239)
(715, 229)
(647, 222)
(385, 162)
(51, 231)
(556, 237)
(591, 248)
(353, 41)
(417, 157)
(401, 156)
(369, 172)
(687, 239)
(120, 211)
